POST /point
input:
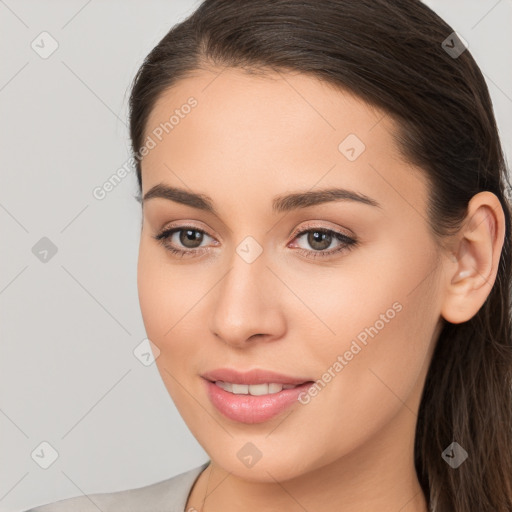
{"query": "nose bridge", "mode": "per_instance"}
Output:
(246, 303)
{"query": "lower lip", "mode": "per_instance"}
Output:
(253, 409)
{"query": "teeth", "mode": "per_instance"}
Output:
(253, 389)
(275, 388)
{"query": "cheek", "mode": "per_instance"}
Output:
(165, 297)
(170, 297)
(166, 293)
(383, 377)
(152, 296)
(382, 307)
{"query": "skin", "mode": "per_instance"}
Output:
(251, 138)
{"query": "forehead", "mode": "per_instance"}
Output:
(270, 102)
(278, 130)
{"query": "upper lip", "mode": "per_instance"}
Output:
(255, 376)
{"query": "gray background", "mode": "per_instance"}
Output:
(69, 325)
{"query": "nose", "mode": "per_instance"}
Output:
(247, 304)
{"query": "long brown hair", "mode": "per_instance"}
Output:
(393, 54)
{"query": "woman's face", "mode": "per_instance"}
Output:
(266, 285)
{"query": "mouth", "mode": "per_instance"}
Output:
(255, 396)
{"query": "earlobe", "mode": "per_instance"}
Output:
(474, 264)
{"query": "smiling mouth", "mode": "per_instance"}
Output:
(254, 402)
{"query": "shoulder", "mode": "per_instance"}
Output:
(166, 496)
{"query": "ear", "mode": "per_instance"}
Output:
(474, 264)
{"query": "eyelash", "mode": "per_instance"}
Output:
(347, 243)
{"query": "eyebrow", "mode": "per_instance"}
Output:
(282, 203)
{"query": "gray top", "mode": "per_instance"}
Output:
(166, 496)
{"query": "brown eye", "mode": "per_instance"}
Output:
(319, 242)
(183, 240)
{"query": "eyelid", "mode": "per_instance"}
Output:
(182, 225)
(310, 225)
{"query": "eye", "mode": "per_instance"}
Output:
(182, 240)
(320, 239)
(186, 241)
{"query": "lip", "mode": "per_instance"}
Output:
(255, 376)
(251, 409)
